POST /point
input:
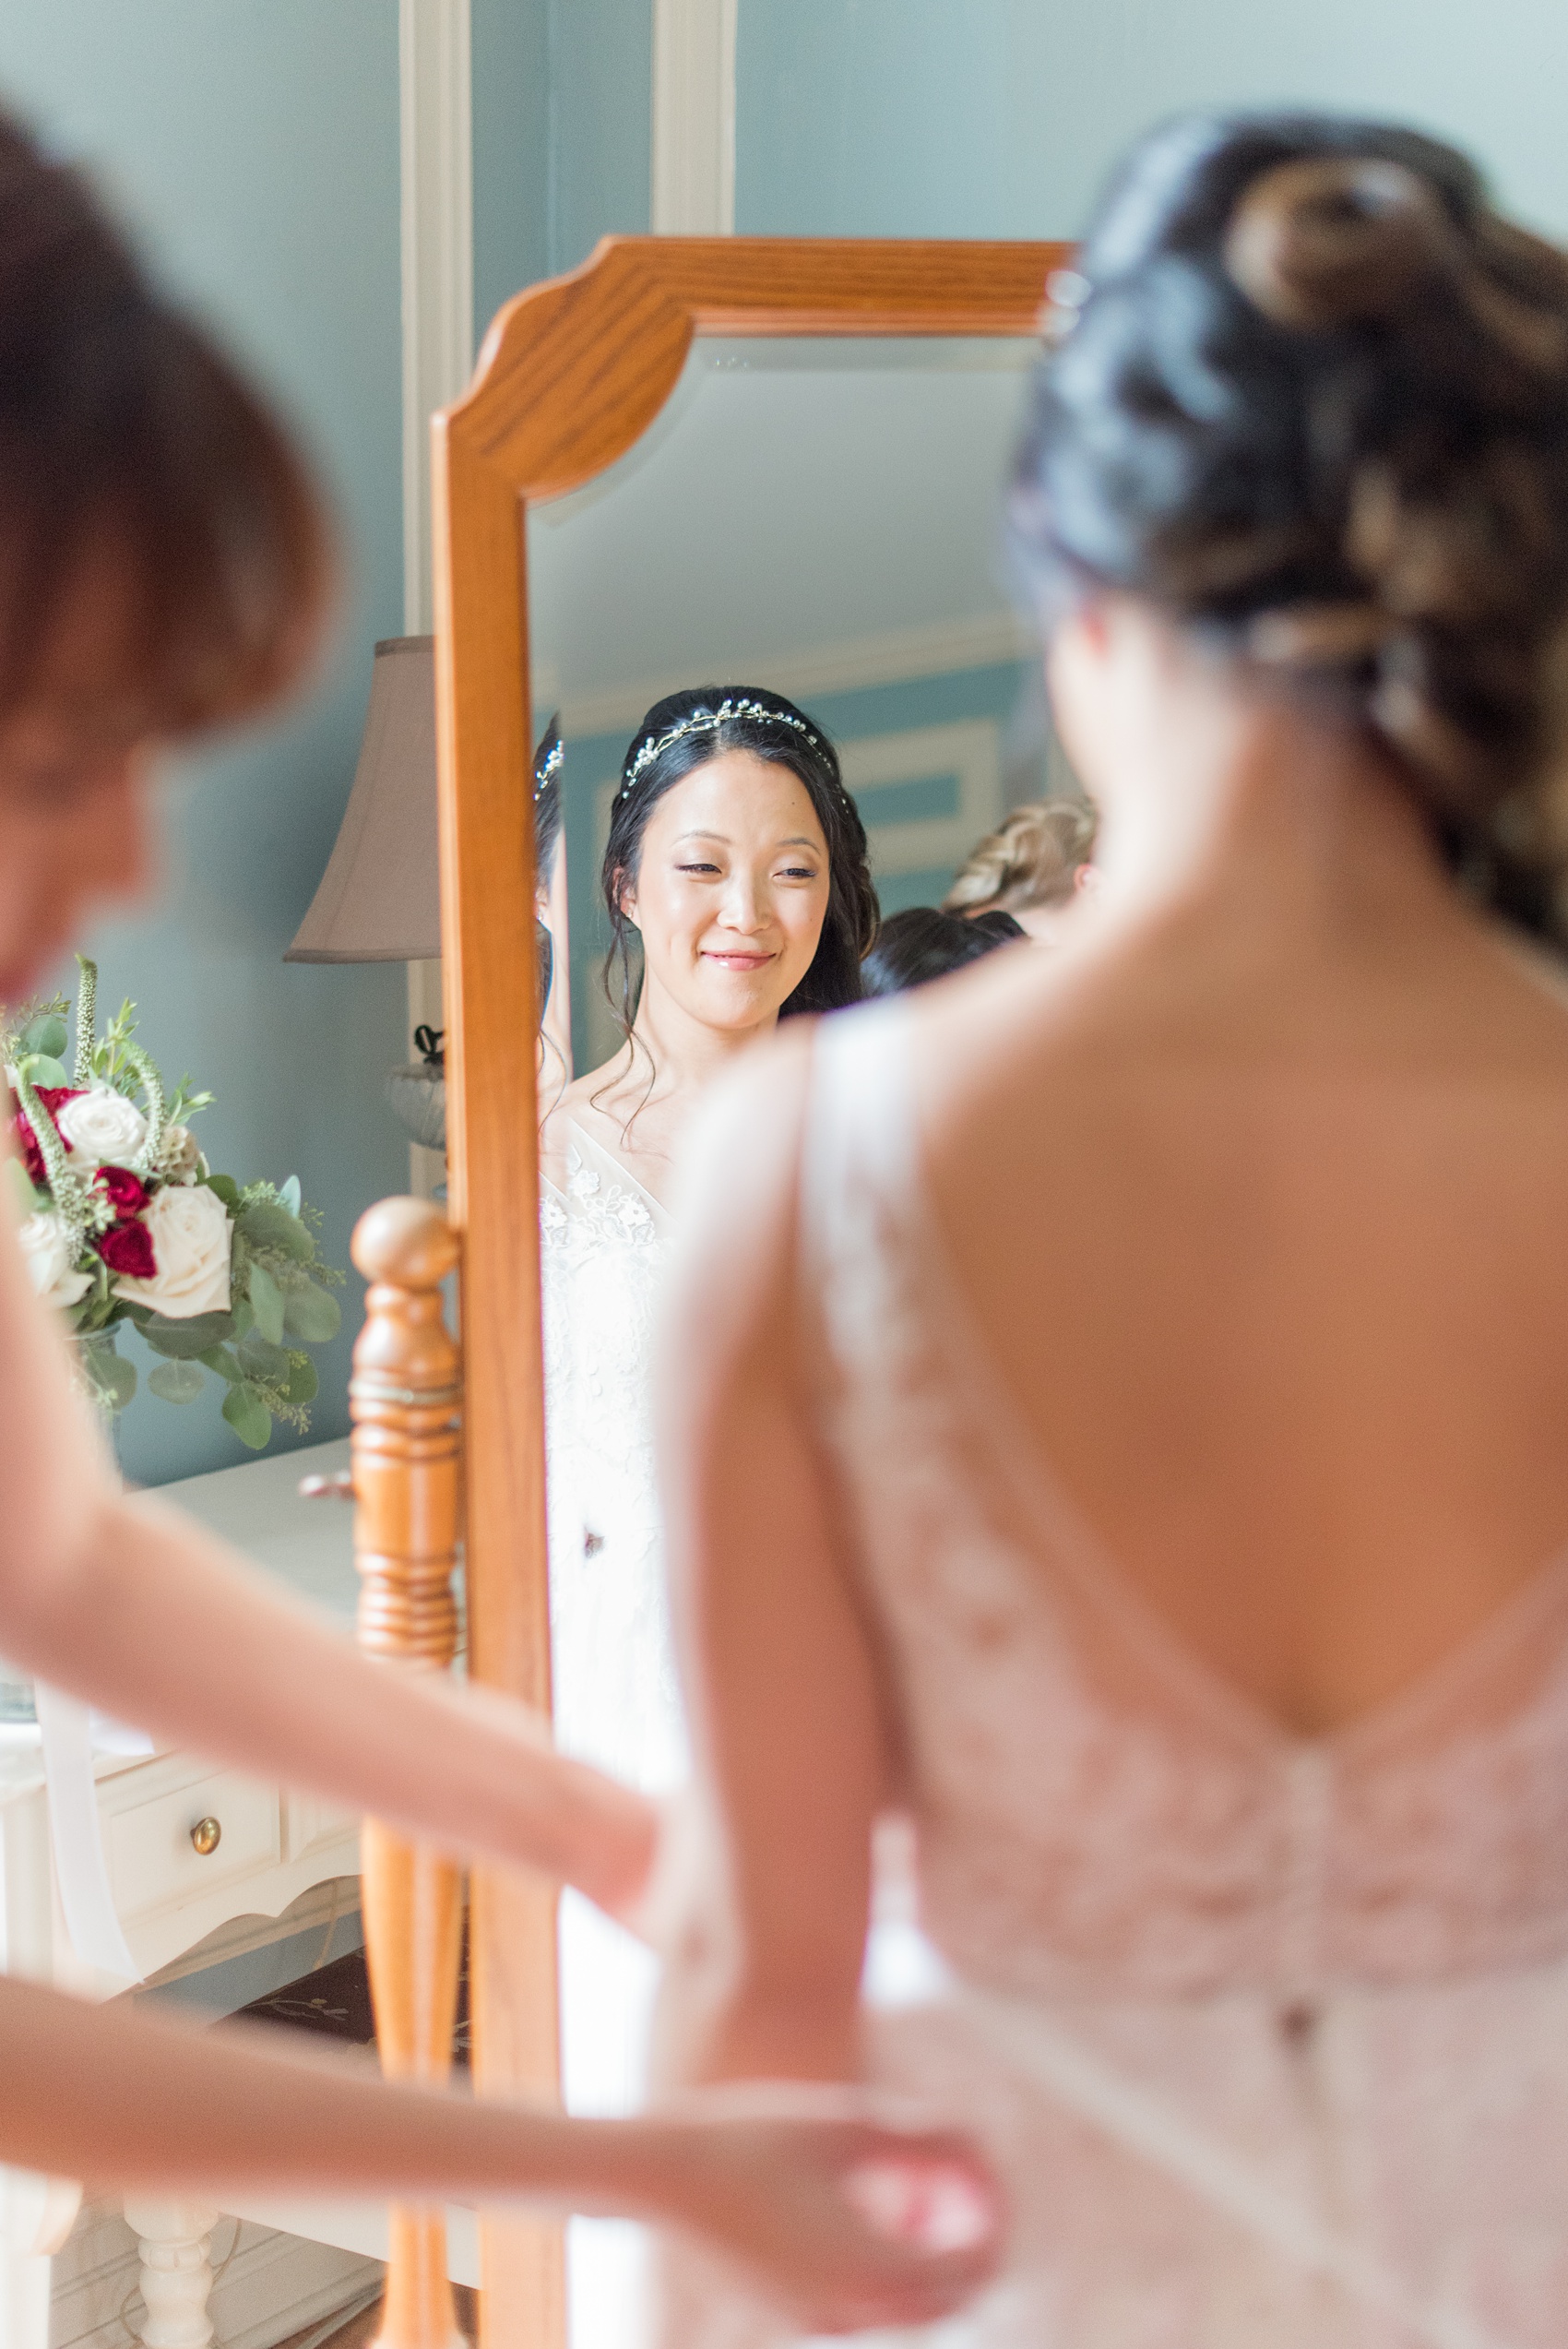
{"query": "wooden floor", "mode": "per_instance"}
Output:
(361, 2330)
(334, 2002)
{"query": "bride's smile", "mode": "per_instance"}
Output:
(730, 892)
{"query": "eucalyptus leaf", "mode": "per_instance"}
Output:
(248, 1416)
(303, 1383)
(312, 1313)
(113, 1378)
(45, 1034)
(266, 1225)
(101, 1302)
(188, 1340)
(43, 1068)
(218, 1358)
(267, 1304)
(288, 1196)
(226, 1187)
(244, 1316)
(259, 1358)
(177, 1382)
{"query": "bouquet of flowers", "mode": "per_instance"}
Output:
(123, 1221)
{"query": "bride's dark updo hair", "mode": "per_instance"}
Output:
(684, 732)
(1310, 394)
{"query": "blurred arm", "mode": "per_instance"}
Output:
(133, 1606)
(130, 2102)
(786, 1710)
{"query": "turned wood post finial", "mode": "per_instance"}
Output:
(405, 1398)
(406, 1242)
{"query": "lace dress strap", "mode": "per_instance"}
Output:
(858, 1150)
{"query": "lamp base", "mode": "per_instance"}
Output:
(418, 1099)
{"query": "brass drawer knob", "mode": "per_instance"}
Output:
(205, 1836)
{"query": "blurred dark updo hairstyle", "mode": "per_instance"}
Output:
(926, 942)
(1309, 394)
(715, 718)
(122, 427)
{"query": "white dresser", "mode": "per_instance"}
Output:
(193, 1850)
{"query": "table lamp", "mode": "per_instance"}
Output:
(379, 899)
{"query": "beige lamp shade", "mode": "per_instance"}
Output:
(379, 899)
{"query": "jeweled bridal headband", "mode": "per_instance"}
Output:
(552, 766)
(703, 722)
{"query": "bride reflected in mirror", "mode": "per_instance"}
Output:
(736, 875)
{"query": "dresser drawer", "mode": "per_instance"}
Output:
(152, 1861)
(315, 1829)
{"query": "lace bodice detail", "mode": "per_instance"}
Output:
(1267, 2038)
(605, 1244)
(1096, 1813)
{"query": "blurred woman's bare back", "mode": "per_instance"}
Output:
(1257, 1193)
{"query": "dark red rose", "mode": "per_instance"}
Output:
(128, 1248)
(52, 1096)
(126, 1192)
(32, 1157)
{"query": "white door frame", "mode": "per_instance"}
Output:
(692, 180)
(436, 177)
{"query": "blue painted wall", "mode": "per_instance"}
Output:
(254, 145)
(602, 131)
(1000, 117)
(512, 158)
(562, 136)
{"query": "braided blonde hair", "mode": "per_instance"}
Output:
(1033, 858)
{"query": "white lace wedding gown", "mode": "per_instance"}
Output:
(1268, 2035)
(604, 1244)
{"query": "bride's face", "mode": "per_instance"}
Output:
(730, 890)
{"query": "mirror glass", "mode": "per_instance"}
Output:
(822, 518)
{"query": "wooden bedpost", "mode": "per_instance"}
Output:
(405, 1398)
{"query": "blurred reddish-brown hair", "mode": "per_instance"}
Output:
(122, 426)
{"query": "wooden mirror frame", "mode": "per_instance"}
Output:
(572, 373)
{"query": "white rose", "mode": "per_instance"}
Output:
(103, 1128)
(51, 1248)
(191, 1233)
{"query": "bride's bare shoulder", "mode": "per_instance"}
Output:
(588, 1103)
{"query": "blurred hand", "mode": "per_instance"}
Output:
(850, 2210)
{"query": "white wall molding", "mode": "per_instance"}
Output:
(693, 191)
(435, 83)
(967, 748)
(436, 170)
